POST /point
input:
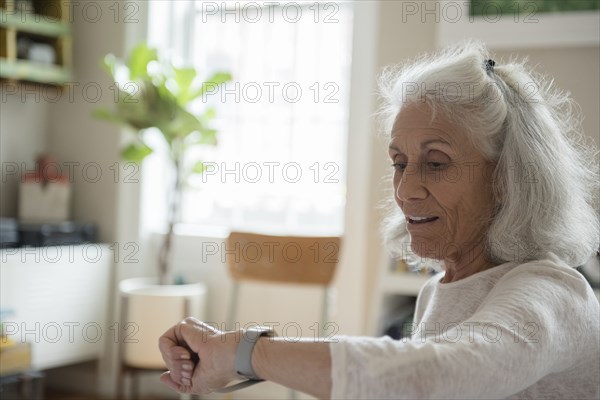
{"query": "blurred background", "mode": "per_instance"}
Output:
(292, 148)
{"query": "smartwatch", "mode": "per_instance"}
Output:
(243, 354)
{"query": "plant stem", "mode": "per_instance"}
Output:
(173, 215)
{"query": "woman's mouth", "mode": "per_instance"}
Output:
(415, 220)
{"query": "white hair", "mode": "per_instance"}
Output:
(546, 175)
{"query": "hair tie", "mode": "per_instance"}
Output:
(489, 65)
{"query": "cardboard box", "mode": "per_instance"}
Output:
(44, 201)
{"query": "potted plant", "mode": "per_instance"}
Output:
(154, 93)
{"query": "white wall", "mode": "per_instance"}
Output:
(574, 69)
(112, 199)
(23, 127)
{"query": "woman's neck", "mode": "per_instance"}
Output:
(470, 263)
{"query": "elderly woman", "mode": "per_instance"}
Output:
(494, 183)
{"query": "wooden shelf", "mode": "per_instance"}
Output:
(23, 70)
(45, 24)
(34, 23)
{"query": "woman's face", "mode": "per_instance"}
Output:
(442, 183)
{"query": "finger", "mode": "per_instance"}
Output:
(172, 353)
(177, 353)
(183, 341)
(166, 378)
(181, 370)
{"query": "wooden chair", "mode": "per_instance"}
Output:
(281, 260)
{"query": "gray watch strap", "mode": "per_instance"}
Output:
(237, 386)
(243, 354)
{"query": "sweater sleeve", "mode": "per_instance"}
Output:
(535, 321)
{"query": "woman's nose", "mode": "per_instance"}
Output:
(411, 185)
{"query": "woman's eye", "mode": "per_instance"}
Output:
(435, 165)
(399, 166)
(436, 160)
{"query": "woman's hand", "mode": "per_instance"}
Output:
(199, 357)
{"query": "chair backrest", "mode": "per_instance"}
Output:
(282, 259)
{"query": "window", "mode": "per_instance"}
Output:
(282, 121)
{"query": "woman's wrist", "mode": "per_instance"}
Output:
(303, 365)
(259, 357)
(230, 340)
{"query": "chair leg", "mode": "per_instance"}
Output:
(121, 383)
(123, 369)
(233, 305)
(135, 383)
(325, 310)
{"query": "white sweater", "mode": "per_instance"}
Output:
(529, 331)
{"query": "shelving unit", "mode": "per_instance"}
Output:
(38, 22)
(397, 291)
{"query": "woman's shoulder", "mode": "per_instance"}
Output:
(549, 269)
(548, 277)
(522, 281)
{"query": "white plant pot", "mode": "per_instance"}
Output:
(148, 310)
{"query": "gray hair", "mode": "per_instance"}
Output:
(546, 175)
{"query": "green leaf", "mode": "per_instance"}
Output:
(199, 168)
(216, 80)
(182, 82)
(184, 123)
(158, 97)
(208, 115)
(219, 78)
(136, 152)
(203, 137)
(208, 136)
(184, 76)
(139, 59)
(107, 115)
